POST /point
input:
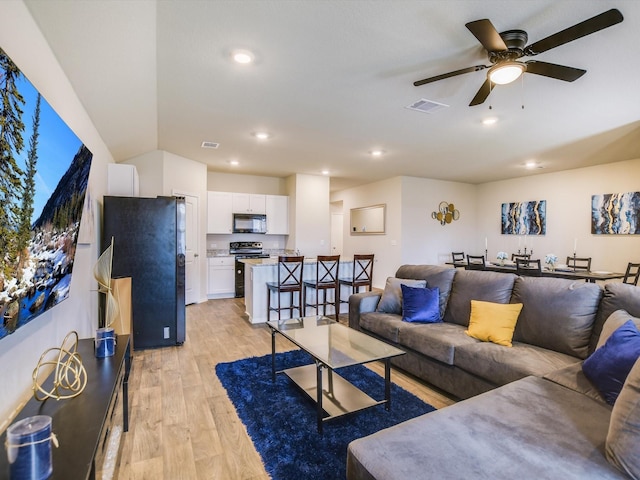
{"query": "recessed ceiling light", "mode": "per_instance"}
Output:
(234, 162)
(490, 121)
(242, 56)
(325, 172)
(376, 153)
(532, 164)
(262, 135)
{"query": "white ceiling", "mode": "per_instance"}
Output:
(332, 79)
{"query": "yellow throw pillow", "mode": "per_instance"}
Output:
(493, 322)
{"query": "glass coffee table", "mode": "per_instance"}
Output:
(332, 346)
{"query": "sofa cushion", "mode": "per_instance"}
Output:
(391, 301)
(615, 320)
(610, 364)
(493, 322)
(574, 378)
(530, 429)
(616, 296)
(385, 325)
(435, 340)
(420, 304)
(476, 285)
(435, 275)
(622, 446)
(503, 365)
(558, 314)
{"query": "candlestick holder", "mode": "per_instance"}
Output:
(486, 255)
(574, 260)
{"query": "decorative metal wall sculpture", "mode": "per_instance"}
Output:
(615, 213)
(69, 374)
(446, 213)
(524, 218)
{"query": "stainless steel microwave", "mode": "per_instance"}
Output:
(249, 223)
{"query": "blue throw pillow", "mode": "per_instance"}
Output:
(420, 304)
(609, 366)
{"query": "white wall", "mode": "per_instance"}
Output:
(425, 240)
(568, 195)
(411, 235)
(309, 218)
(19, 352)
(150, 172)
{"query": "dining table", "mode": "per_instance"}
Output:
(558, 272)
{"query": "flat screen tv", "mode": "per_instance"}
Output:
(44, 173)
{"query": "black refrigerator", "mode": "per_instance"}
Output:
(149, 246)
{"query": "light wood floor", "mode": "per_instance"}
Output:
(182, 425)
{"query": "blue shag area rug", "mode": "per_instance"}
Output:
(281, 419)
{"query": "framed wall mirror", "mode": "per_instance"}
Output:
(368, 220)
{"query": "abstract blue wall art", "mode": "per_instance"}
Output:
(615, 214)
(44, 173)
(524, 218)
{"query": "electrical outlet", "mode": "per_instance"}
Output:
(321, 242)
(166, 332)
(393, 243)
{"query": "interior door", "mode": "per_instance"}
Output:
(192, 264)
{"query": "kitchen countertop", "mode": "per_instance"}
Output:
(265, 262)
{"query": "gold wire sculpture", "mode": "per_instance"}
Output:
(69, 375)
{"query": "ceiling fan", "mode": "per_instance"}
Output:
(504, 49)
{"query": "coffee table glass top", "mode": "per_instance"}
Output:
(333, 344)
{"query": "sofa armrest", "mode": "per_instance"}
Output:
(362, 303)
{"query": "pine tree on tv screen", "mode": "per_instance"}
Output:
(44, 172)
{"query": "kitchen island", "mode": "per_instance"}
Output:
(259, 271)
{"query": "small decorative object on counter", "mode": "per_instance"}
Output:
(105, 342)
(502, 256)
(550, 259)
(69, 374)
(29, 448)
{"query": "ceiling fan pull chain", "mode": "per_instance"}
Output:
(490, 88)
(522, 90)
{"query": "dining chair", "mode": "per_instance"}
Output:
(632, 274)
(528, 267)
(578, 263)
(522, 256)
(475, 262)
(289, 281)
(458, 258)
(326, 280)
(362, 275)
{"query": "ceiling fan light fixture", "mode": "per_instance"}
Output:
(506, 72)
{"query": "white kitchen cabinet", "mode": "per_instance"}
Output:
(219, 212)
(221, 279)
(248, 203)
(277, 208)
(122, 180)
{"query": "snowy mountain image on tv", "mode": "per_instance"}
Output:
(44, 172)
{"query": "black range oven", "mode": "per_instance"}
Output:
(244, 250)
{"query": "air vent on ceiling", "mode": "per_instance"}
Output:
(426, 106)
(210, 145)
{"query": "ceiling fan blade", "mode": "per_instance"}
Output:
(487, 35)
(477, 68)
(559, 72)
(483, 93)
(589, 26)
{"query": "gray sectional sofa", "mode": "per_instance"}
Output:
(529, 411)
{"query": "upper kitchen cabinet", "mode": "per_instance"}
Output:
(249, 203)
(219, 212)
(277, 208)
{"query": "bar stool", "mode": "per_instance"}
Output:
(326, 279)
(362, 275)
(289, 281)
